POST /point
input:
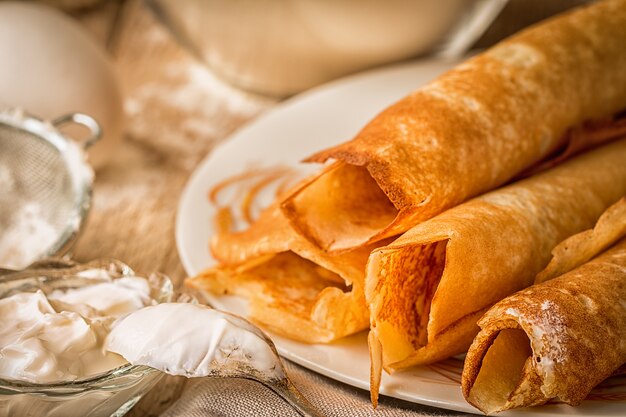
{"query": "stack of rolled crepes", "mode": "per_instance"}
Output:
(526, 104)
(427, 289)
(560, 338)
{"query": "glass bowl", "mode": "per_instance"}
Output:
(111, 393)
(281, 47)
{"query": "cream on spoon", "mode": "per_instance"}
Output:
(196, 341)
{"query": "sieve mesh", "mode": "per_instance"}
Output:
(33, 173)
(45, 185)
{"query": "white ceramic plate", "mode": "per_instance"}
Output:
(293, 130)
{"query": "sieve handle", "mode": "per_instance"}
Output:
(81, 119)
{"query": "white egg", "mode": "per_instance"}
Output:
(51, 66)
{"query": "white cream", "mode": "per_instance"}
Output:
(113, 299)
(192, 340)
(60, 337)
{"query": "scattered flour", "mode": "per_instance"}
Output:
(26, 238)
(193, 109)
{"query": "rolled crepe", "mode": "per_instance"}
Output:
(469, 131)
(293, 288)
(578, 249)
(428, 288)
(555, 340)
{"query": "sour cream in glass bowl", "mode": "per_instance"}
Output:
(55, 317)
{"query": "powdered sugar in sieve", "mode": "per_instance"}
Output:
(45, 186)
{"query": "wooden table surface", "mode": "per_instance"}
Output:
(177, 111)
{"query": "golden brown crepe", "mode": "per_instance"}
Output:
(428, 288)
(580, 248)
(294, 288)
(469, 131)
(555, 340)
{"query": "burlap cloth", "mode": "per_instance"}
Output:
(208, 397)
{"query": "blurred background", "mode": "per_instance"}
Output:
(138, 64)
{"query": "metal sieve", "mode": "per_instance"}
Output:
(45, 186)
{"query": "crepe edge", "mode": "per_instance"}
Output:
(580, 248)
